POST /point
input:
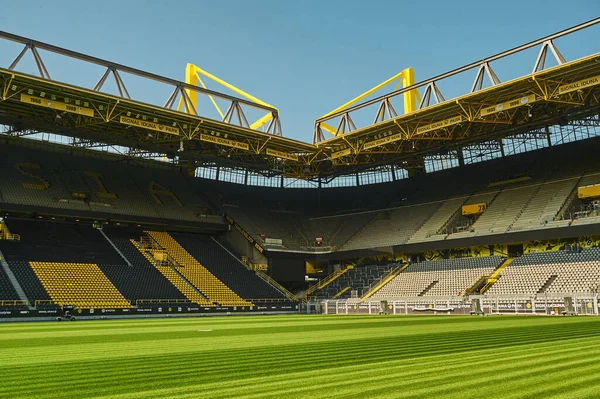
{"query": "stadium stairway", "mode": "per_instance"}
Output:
(175, 278)
(230, 270)
(496, 275)
(13, 280)
(326, 281)
(115, 247)
(340, 293)
(275, 284)
(386, 278)
(196, 273)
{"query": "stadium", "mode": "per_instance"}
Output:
(421, 245)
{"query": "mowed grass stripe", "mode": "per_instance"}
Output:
(444, 378)
(367, 348)
(30, 331)
(355, 375)
(204, 367)
(204, 342)
(240, 364)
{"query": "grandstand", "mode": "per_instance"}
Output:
(155, 210)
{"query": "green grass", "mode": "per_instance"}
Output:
(304, 357)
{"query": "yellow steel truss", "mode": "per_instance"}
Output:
(193, 77)
(411, 98)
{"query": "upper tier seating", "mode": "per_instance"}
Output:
(504, 209)
(52, 180)
(392, 227)
(543, 207)
(513, 206)
(431, 228)
(444, 277)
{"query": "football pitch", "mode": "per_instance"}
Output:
(303, 357)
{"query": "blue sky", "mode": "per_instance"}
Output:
(304, 57)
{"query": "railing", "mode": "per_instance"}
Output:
(13, 237)
(386, 278)
(265, 300)
(146, 243)
(174, 301)
(322, 283)
(274, 283)
(14, 302)
(341, 292)
(44, 302)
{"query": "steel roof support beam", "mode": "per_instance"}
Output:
(29, 43)
(541, 59)
(37, 58)
(463, 68)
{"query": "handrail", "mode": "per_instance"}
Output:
(13, 302)
(274, 283)
(143, 301)
(378, 284)
(341, 292)
(44, 302)
(326, 281)
(267, 300)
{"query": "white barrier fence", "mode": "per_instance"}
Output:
(581, 304)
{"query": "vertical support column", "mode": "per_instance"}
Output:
(461, 157)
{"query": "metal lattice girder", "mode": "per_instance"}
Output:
(37, 58)
(541, 59)
(566, 93)
(411, 99)
(118, 81)
(484, 71)
(118, 69)
(193, 77)
(430, 90)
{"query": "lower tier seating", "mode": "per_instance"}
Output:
(197, 274)
(31, 285)
(356, 279)
(552, 272)
(438, 278)
(7, 291)
(227, 268)
(141, 280)
(79, 284)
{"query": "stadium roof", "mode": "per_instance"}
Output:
(491, 110)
